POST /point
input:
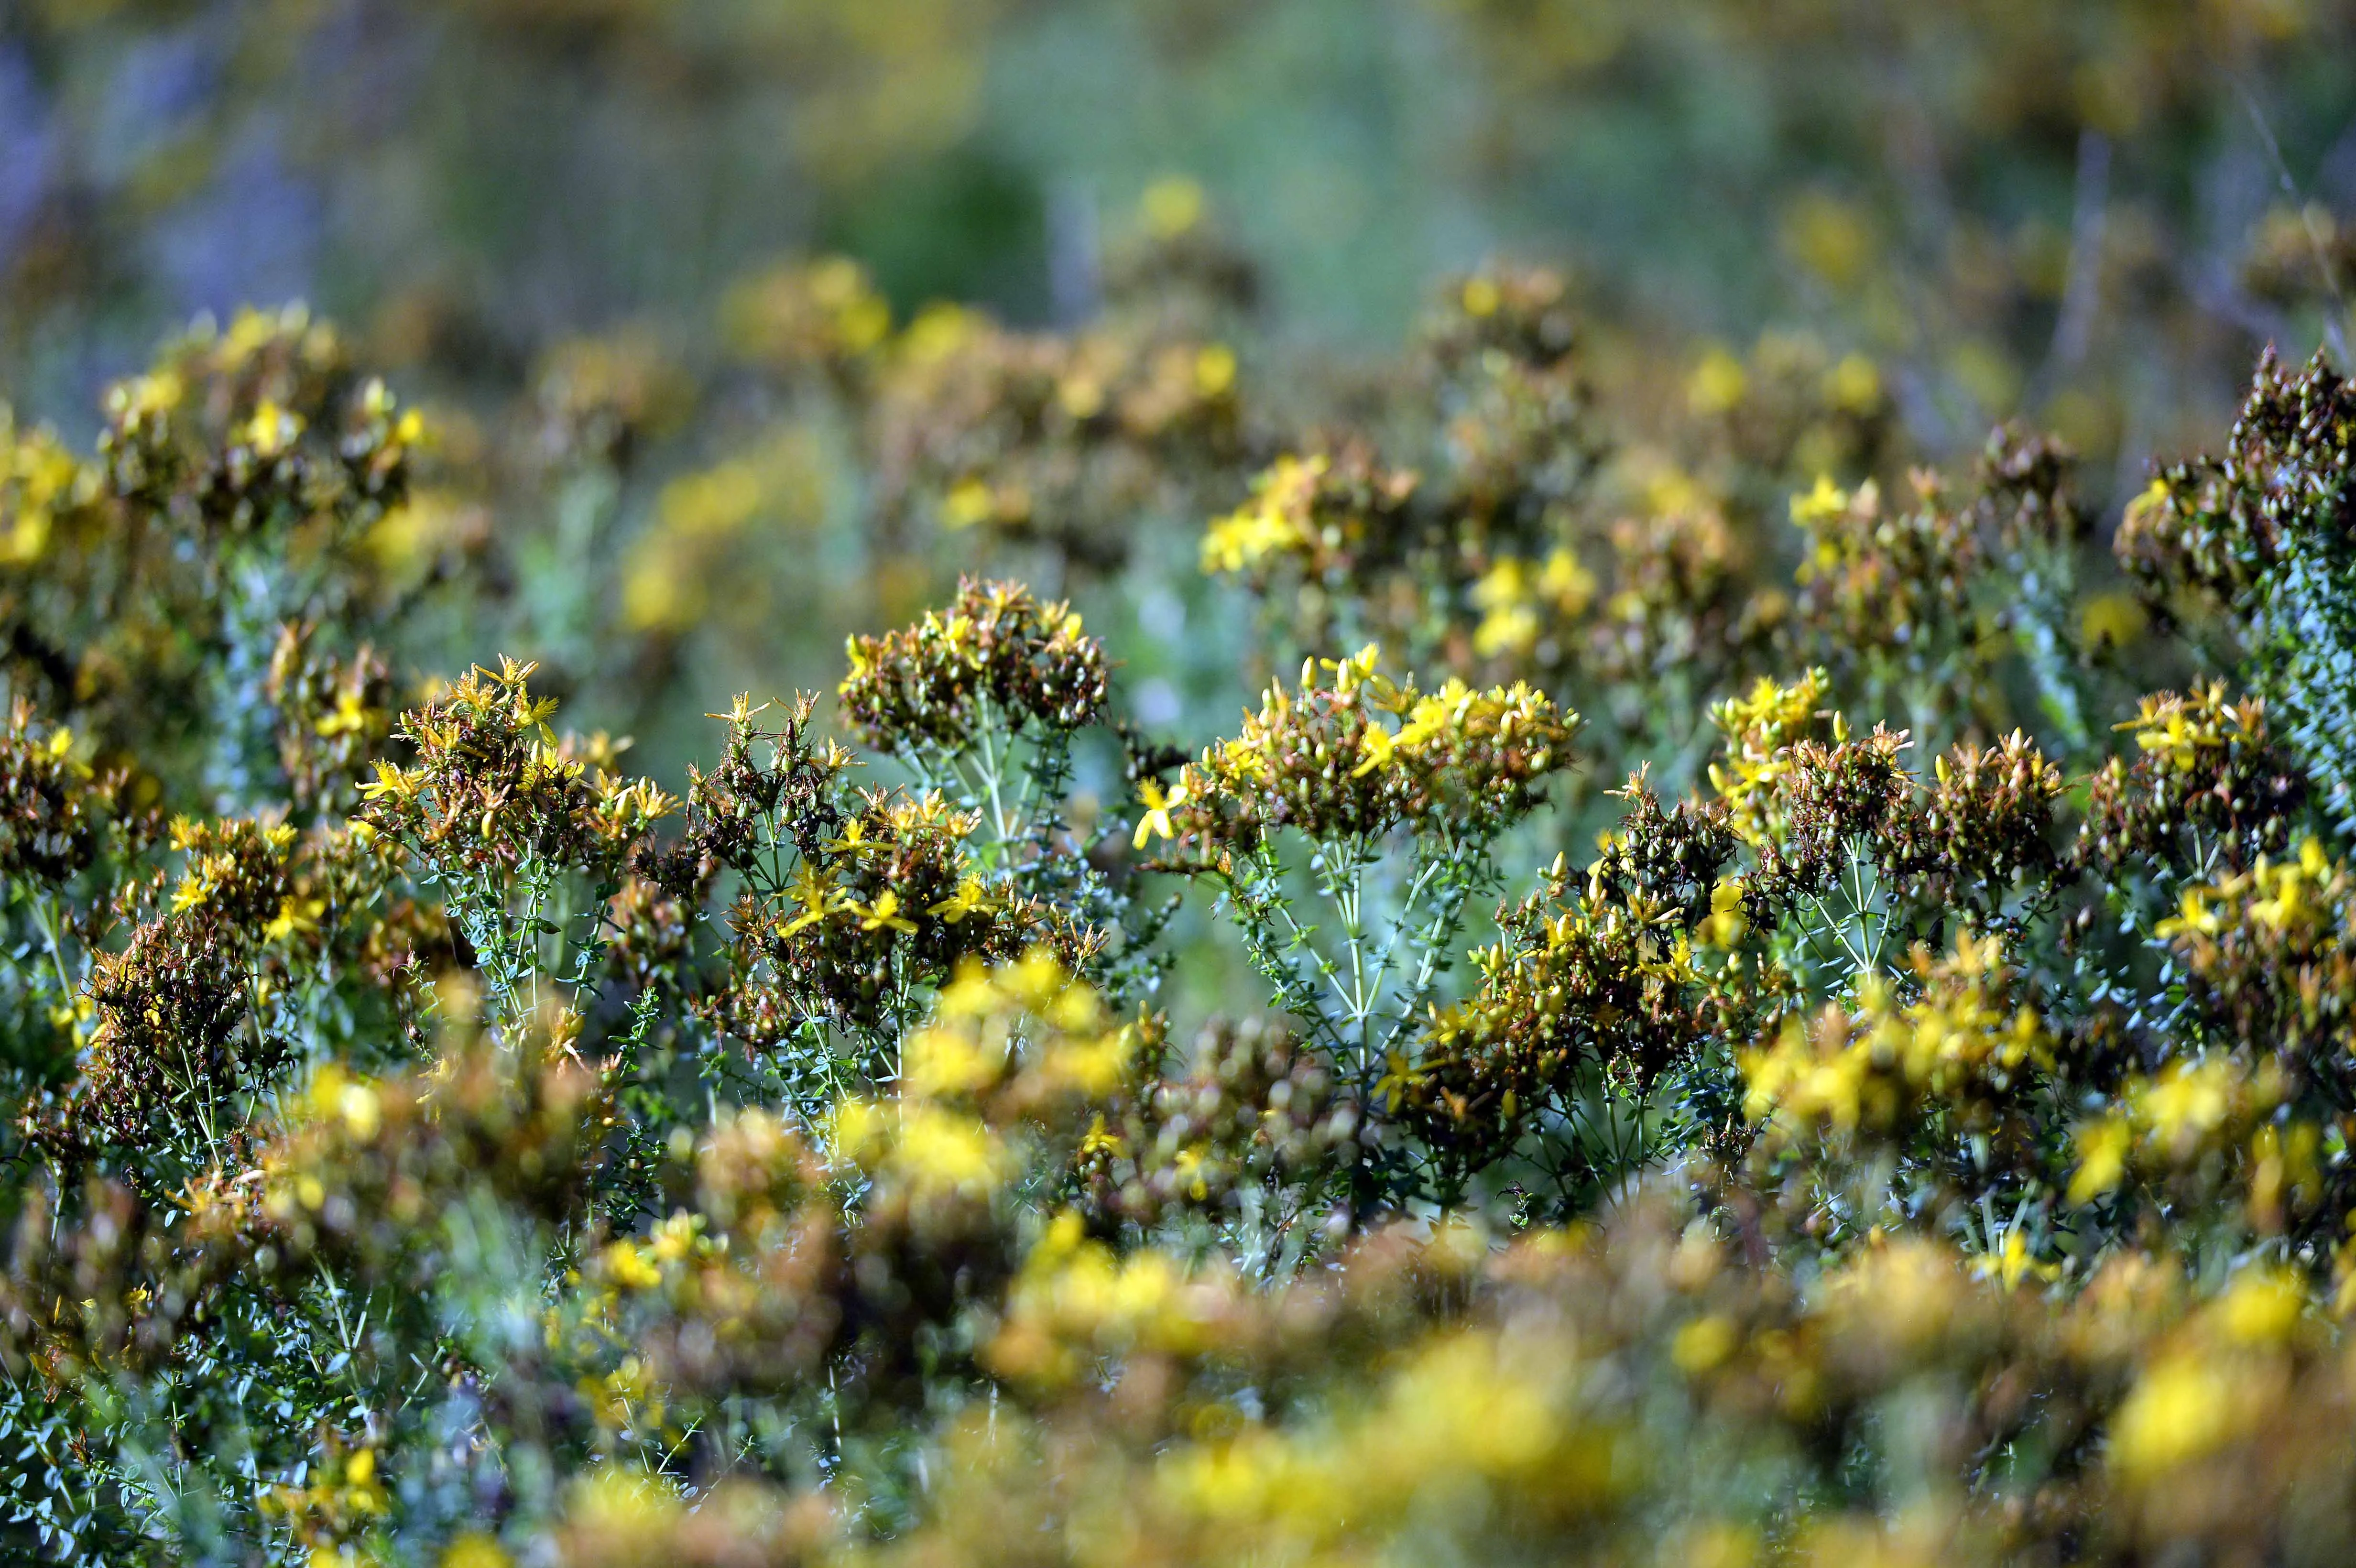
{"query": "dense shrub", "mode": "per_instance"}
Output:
(1905, 1117)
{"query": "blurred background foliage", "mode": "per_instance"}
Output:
(549, 220)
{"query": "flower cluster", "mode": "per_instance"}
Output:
(1519, 598)
(2270, 955)
(51, 808)
(999, 658)
(596, 400)
(893, 896)
(1062, 438)
(737, 813)
(1580, 990)
(173, 1050)
(259, 427)
(1326, 761)
(363, 1163)
(1987, 830)
(2298, 256)
(1252, 1106)
(1793, 404)
(335, 716)
(492, 786)
(2221, 524)
(1879, 579)
(1758, 732)
(1966, 1047)
(1829, 801)
(2167, 1124)
(1676, 613)
(2206, 776)
(236, 489)
(40, 484)
(1342, 541)
(1840, 822)
(1313, 514)
(824, 315)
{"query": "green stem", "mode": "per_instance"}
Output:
(46, 918)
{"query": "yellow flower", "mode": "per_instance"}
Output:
(969, 899)
(944, 1063)
(1276, 520)
(390, 781)
(2145, 509)
(1566, 580)
(2188, 1100)
(350, 717)
(1704, 1343)
(854, 840)
(474, 1549)
(1822, 504)
(296, 917)
(2260, 1307)
(969, 502)
(1718, 383)
(2181, 1409)
(194, 890)
(883, 914)
(2193, 915)
(141, 396)
(1506, 594)
(272, 428)
(1215, 370)
(1401, 1077)
(1158, 807)
(628, 1267)
(361, 1109)
(1853, 386)
(2101, 1158)
(1381, 746)
(818, 897)
(1172, 205)
(940, 1153)
(2012, 1261)
(1726, 924)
